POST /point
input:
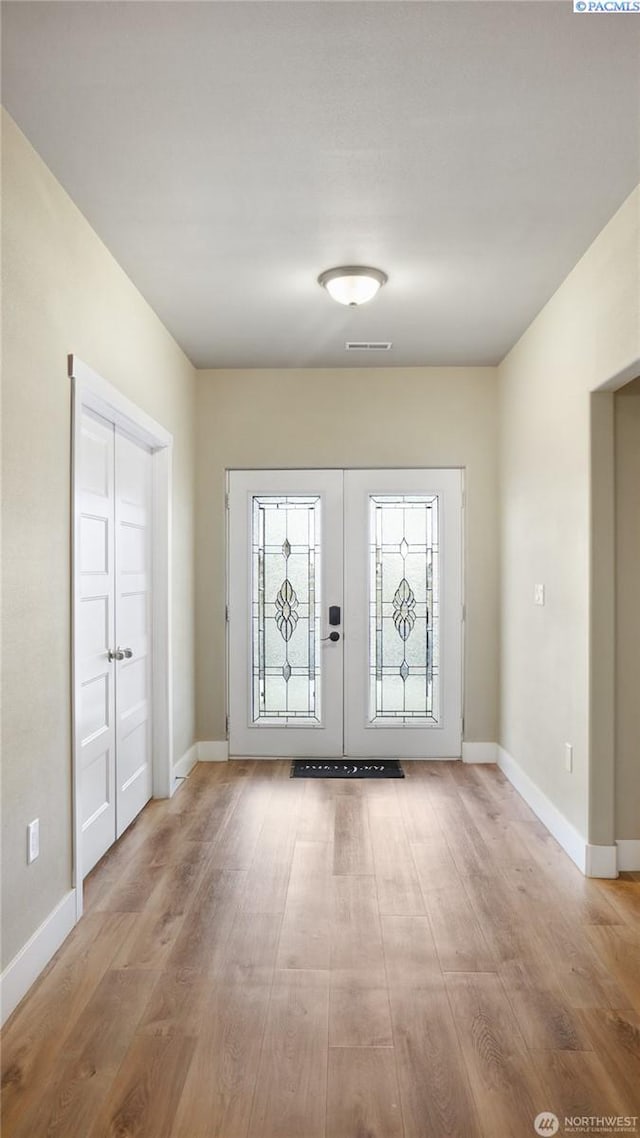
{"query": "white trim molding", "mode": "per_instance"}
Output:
(563, 831)
(628, 854)
(184, 765)
(29, 962)
(601, 861)
(479, 752)
(216, 751)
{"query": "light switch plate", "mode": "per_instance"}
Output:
(538, 594)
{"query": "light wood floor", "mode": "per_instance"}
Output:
(264, 957)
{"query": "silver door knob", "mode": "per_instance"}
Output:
(119, 653)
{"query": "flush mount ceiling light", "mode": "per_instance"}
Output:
(352, 284)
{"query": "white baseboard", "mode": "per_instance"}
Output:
(27, 965)
(563, 831)
(601, 861)
(479, 752)
(628, 854)
(213, 751)
(184, 765)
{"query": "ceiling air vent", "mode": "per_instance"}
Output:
(368, 345)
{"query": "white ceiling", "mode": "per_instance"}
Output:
(228, 152)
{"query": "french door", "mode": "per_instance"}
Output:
(113, 616)
(345, 613)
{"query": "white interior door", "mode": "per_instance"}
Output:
(133, 629)
(95, 617)
(391, 684)
(285, 571)
(113, 635)
(403, 613)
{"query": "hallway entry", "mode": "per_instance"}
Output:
(345, 613)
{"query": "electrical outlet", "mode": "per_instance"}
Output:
(538, 594)
(33, 840)
(568, 757)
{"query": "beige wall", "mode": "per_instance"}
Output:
(587, 333)
(342, 418)
(627, 492)
(63, 292)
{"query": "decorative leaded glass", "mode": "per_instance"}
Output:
(286, 608)
(403, 609)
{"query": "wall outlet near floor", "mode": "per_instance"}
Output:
(538, 594)
(33, 840)
(568, 757)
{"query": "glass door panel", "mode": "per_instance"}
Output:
(403, 613)
(285, 570)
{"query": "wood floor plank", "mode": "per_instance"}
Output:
(574, 962)
(352, 841)
(581, 896)
(236, 846)
(508, 1092)
(290, 1095)
(494, 905)
(218, 1091)
(624, 897)
(249, 953)
(305, 935)
(144, 1097)
(399, 892)
(434, 1088)
(546, 1019)
(359, 1017)
(316, 819)
(362, 1095)
(421, 822)
(207, 822)
(459, 940)
(175, 1005)
(202, 939)
(578, 1084)
(168, 842)
(32, 1037)
(620, 954)
(615, 1037)
(132, 894)
(410, 953)
(357, 956)
(268, 874)
(434, 864)
(88, 1061)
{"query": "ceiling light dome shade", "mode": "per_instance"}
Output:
(352, 284)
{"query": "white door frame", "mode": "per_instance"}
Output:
(92, 392)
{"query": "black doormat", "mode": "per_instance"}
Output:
(346, 768)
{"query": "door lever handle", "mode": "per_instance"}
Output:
(119, 653)
(334, 636)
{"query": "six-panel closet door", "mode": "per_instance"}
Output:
(113, 664)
